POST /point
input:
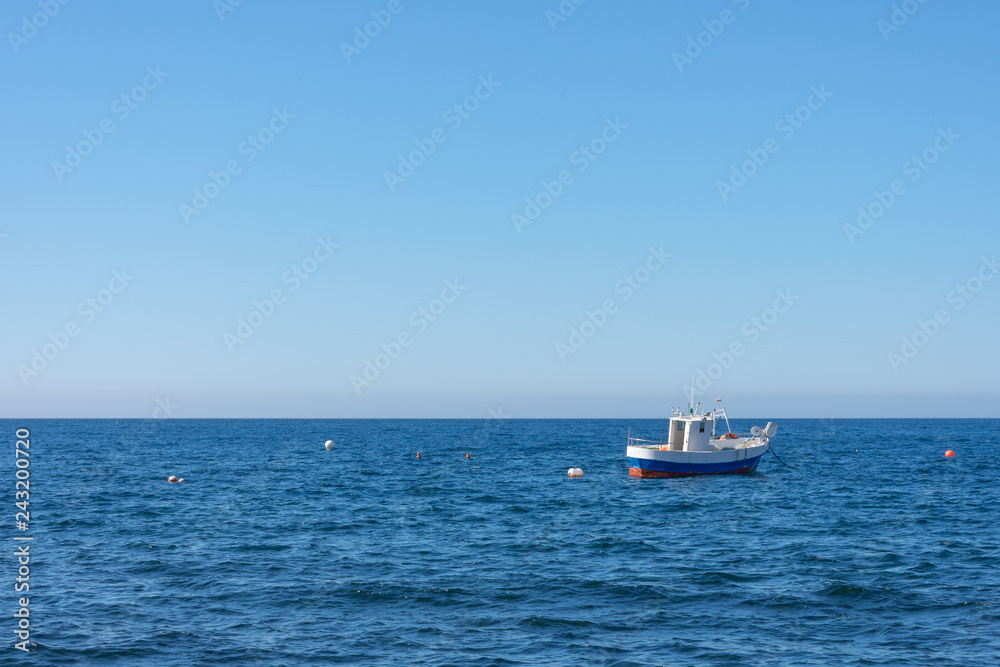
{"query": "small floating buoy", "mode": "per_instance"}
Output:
(180, 480)
(329, 445)
(172, 479)
(575, 472)
(418, 455)
(949, 453)
(468, 455)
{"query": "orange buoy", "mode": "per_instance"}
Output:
(468, 455)
(949, 453)
(418, 455)
(172, 479)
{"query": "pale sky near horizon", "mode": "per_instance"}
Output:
(253, 210)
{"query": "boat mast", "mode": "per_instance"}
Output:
(715, 414)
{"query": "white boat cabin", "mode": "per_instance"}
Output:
(694, 431)
(691, 433)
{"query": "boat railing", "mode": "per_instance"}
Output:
(642, 442)
(650, 444)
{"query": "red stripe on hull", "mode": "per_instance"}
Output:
(644, 472)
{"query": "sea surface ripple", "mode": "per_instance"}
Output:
(876, 550)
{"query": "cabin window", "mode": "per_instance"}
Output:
(680, 426)
(701, 427)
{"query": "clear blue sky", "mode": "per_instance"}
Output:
(667, 130)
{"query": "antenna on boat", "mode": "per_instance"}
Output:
(721, 410)
(691, 404)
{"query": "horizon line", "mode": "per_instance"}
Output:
(503, 419)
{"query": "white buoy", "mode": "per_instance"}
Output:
(329, 445)
(575, 472)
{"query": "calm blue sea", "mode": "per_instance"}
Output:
(876, 551)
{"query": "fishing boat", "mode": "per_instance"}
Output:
(693, 448)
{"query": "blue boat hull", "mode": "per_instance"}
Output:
(642, 467)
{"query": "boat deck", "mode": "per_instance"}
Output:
(720, 445)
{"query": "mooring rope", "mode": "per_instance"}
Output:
(771, 449)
